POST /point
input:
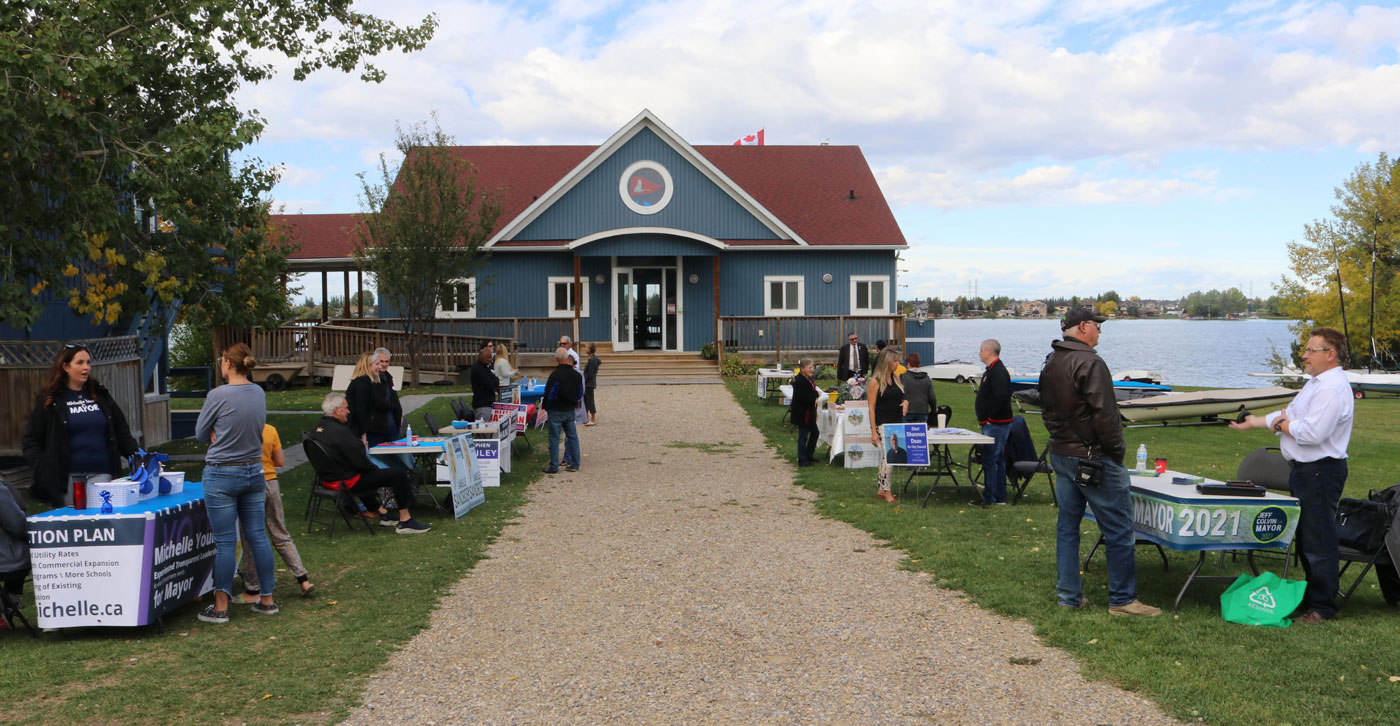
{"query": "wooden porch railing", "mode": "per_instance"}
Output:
(788, 335)
(337, 344)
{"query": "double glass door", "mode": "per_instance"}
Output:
(645, 309)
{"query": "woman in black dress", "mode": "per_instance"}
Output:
(885, 396)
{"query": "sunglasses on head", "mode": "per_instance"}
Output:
(76, 346)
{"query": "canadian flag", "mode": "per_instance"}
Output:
(751, 139)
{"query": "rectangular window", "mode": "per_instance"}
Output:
(783, 295)
(870, 295)
(561, 301)
(457, 299)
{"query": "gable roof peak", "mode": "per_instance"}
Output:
(645, 120)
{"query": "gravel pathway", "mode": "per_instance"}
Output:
(673, 580)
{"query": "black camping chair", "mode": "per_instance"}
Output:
(9, 610)
(1370, 558)
(1266, 467)
(459, 409)
(1023, 462)
(340, 501)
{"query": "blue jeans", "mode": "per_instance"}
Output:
(233, 496)
(1113, 509)
(563, 421)
(1318, 487)
(916, 418)
(994, 462)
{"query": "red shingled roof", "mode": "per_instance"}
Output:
(806, 187)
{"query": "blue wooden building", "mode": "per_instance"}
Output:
(669, 246)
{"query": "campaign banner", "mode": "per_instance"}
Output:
(488, 460)
(467, 491)
(518, 412)
(180, 564)
(1201, 524)
(87, 570)
(904, 444)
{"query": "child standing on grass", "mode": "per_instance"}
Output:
(272, 458)
(590, 382)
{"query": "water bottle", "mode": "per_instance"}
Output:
(1142, 457)
(408, 436)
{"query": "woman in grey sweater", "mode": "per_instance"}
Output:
(232, 422)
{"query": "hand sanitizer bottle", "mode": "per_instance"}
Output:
(1142, 457)
(408, 436)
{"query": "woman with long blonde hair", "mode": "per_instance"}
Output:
(375, 412)
(502, 365)
(885, 397)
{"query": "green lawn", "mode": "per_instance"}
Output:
(306, 665)
(1196, 665)
(309, 398)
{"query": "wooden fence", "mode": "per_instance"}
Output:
(529, 335)
(330, 344)
(24, 368)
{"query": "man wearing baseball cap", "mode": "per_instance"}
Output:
(1086, 451)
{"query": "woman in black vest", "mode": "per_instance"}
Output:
(375, 412)
(75, 428)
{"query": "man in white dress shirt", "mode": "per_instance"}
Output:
(1313, 433)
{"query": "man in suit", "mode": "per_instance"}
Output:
(854, 359)
(896, 455)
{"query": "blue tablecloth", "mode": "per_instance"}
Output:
(193, 491)
(533, 394)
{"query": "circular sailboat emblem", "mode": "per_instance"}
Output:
(645, 187)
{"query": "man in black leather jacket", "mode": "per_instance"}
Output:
(1081, 414)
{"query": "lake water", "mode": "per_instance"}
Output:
(1213, 353)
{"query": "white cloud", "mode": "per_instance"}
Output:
(1042, 185)
(297, 176)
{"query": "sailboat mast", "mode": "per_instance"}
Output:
(1341, 299)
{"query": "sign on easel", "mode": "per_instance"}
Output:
(467, 491)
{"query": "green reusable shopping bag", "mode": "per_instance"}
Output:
(1265, 599)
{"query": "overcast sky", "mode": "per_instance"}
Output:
(1039, 148)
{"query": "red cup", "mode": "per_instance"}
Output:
(1161, 465)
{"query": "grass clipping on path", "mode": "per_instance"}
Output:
(1197, 666)
(305, 665)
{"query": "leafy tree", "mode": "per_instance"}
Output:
(428, 231)
(1110, 296)
(1108, 307)
(120, 134)
(1360, 243)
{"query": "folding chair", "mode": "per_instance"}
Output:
(459, 409)
(340, 501)
(1266, 467)
(10, 612)
(1023, 463)
(433, 428)
(1370, 559)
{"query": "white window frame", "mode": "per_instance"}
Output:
(770, 311)
(583, 293)
(458, 314)
(884, 308)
